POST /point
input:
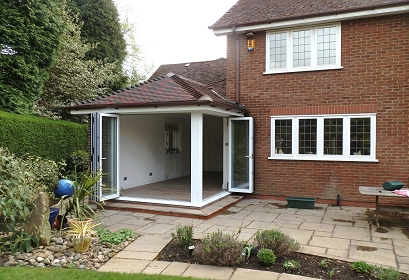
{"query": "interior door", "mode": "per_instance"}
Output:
(241, 155)
(104, 154)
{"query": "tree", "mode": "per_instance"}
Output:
(29, 36)
(73, 78)
(102, 28)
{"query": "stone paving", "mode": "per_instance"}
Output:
(345, 233)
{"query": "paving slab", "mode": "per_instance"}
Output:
(207, 271)
(124, 265)
(348, 232)
(149, 243)
(401, 247)
(317, 227)
(329, 242)
(293, 277)
(300, 235)
(246, 274)
(175, 269)
(135, 255)
(376, 256)
(156, 267)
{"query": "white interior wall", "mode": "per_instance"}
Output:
(142, 150)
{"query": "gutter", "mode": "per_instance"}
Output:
(305, 16)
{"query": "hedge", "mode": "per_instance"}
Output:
(46, 138)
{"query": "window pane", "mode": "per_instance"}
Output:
(326, 41)
(307, 137)
(360, 136)
(278, 50)
(283, 136)
(301, 48)
(333, 129)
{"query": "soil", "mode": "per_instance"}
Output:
(310, 265)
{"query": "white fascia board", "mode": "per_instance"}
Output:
(314, 20)
(215, 111)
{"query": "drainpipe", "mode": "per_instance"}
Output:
(237, 67)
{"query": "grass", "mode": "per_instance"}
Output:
(12, 273)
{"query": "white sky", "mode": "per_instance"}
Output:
(177, 31)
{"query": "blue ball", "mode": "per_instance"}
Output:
(64, 187)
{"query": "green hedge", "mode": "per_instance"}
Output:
(52, 139)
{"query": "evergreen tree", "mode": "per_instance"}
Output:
(102, 28)
(73, 78)
(29, 36)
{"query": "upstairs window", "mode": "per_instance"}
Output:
(328, 137)
(307, 49)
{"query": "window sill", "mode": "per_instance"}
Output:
(294, 70)
(314, 158)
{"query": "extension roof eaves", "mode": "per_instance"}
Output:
(172, 90)
(236, 18)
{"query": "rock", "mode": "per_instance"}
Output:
(40, 259)
(38, 224)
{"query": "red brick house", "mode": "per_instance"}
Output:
(312, 101)
(327, 83)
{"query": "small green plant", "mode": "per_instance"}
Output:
(362, 267)
(292, 265)
(219, 249)
(246, 252)
(266, 256)
(280, 243)
(324, 263)
(117, 237)
(331, 273)
(386, 273)
(184, 235)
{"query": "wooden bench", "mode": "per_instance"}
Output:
(377, 192)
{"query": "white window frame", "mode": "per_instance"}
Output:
(346, 156)
(289, 60)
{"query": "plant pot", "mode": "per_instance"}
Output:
(60, 222)
(76, 220)
(53, 214)
(81, 244)
(301, 202)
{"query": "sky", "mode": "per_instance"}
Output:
(176, 31)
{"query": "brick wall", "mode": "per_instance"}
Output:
(375, 74)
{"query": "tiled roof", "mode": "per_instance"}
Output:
(211, 73)
(247, 12)
(170, 90)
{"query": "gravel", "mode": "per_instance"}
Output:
(61, 253)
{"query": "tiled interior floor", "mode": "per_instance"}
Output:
(178, 188)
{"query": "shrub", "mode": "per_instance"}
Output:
(53, 139)
(291, 265)
(219, 249)
(20, 182)
(78, 162)
(386, 273)
(184, 235)
(280, 243)
(266, 256)
(362, 267)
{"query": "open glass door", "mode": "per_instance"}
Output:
(241, 158)
(104, 153)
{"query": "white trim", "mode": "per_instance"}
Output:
(162, 110)
(320, 156)
(313, 20)
(176, 202)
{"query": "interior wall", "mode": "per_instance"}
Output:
(142, 157)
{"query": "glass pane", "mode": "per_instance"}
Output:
(278, 50)
(307, 137)
(240, 153)
(360, 136)
(283, 137)
(301, 48)
(109, 147)
(333, 131)
(326, 41)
